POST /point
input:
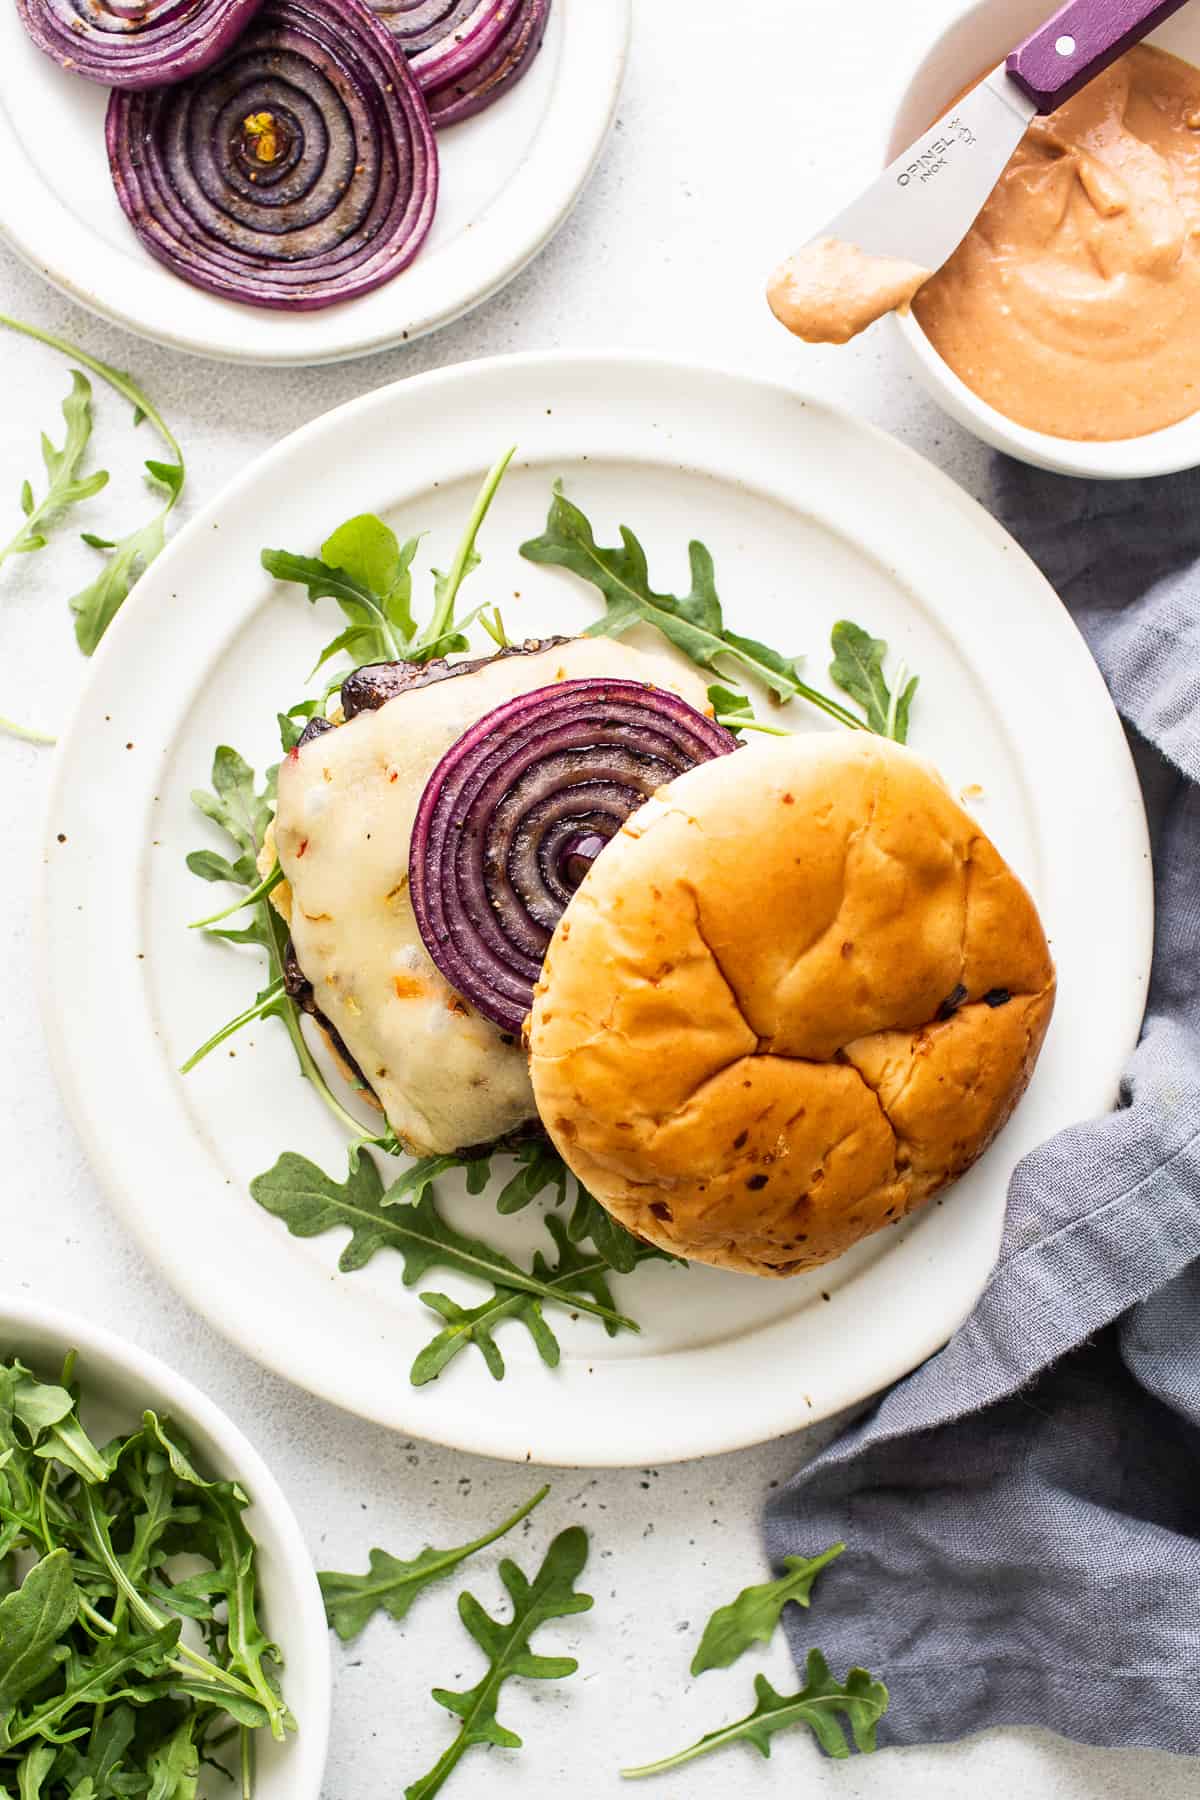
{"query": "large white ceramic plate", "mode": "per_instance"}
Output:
(509, 178)
(119, 1381)
(811, 517)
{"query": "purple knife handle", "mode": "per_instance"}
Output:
(1080, 42)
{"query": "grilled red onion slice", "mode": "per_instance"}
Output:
(460, 94)
(135, 46)
(465, 53)
(299, 171)
(515, 814)
(437, 28)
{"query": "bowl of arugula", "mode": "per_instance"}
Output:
(148, 1562)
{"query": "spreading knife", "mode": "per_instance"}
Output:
(922, 206)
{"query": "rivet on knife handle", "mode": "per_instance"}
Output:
(1080, 42)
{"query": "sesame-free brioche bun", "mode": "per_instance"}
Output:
(796, 995)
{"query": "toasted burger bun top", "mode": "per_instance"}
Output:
(445, 1077)
(798, 993)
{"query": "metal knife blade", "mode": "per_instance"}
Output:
(924, 203)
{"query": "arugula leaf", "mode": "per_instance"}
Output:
(153, 1482)
(174, 1766)
(238, 809)
(372, 634)
(857, 668)
(252, 1656)
(392, 1584)
(38, 1404)
(157, 1436)
(369, 552)
(29, 735)
(694, 622)
(69, 1444)
(476, 1325)
(241, 1687)
(32, 1621)
(310, 1202)
(243, 812)
(587, 1272)
(365, 568)
(96, 606)
(413, 1183)
(617, 1247)
(753, 1616)
(574, 1273)
(540, 1167)
(551, 1595)
(51, 1427)
(100, 1761)
(822, 1704)
(436, 639)
(492, 620)
(33, 1770)
(65, 486)
(294, 720)
(266, 1005)
(105, 1677)
(430, 1243)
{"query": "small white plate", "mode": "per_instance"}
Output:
(811, 517)
(509, 178)
(119, 1382)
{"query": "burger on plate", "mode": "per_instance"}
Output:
(764, 1001)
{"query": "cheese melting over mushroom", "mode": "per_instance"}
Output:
(445, 1077)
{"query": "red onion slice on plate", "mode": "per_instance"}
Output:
(419, 25)
(465, 53)
(299, 171)
(459, 93)
(135, 46)
(516, 812)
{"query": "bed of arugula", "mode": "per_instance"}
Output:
(368, 571)
(103, 1694)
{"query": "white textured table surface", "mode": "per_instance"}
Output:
(704, 184)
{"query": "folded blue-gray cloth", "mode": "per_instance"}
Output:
(1023, 1512)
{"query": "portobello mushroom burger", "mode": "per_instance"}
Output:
(447, 1075)
(764, 1000)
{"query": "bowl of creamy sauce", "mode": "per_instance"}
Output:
(1066, 327)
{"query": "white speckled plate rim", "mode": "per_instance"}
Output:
(1089, 867)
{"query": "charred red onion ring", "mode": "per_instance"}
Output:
(516, 812)
(465, 53)
(298, 171)
(135, 46)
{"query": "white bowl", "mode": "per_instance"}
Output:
(980, 37)
(119, 1381)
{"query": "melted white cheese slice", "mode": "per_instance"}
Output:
(445, 1077)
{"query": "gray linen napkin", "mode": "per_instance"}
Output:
(1023, 1512)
